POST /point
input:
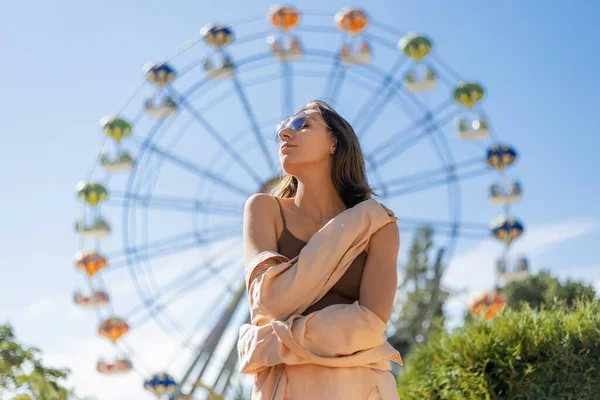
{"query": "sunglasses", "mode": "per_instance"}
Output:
(295, 122)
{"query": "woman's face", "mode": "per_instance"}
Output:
(312, 144)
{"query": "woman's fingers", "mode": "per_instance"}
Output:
(390, 212)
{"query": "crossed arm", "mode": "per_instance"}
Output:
(379, 281)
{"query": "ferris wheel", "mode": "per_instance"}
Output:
(162, 205)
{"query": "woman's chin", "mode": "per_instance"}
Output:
(289, 166)
(286, 159)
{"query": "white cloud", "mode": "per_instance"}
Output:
(51, 304)
(155, 350)
(540, 239)
(474, 270)
(42, 305)
(81, 359)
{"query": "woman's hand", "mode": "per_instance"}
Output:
(390, 213)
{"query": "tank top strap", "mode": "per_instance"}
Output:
(282, 216)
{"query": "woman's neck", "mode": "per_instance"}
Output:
(317, 199)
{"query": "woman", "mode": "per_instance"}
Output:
(326, 175)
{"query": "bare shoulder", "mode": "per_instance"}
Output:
(385, 241)
(260, 203)
(259, 225)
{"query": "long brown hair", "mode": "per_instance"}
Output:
(348, 170)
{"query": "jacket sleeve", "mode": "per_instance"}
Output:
(279, 287)
(340, 335)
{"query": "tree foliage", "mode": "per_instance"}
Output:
(419, 303)
(553, 353)
(542, 289)
(22, 374)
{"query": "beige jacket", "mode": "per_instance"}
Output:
(339, 352)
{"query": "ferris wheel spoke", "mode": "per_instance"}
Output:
(93, 297)
(216, 135)
(153, 172)
(207, 350)
(198, 274)
(251, 37)
(336, 77)
(156, 202)
(377, 39)
(177, 203)
(383, 90)
(402, 189)
(472, 230)
(152, 308)
(317, 29)
(215, 101)
(182, 278)
(438, 172)
(357, 82)
(190, 67)
(402, 146)
(447, 67)
(378, 107)
(167, 246)
(212, 309)
(338, 84)
(430, 116)
(383, 155)
(196, 169)
(388, 29)
(210, 83)
(331, 77)
(190, 286)
(442, 76)
(275, 76)
(224, 297)
(124, 347)
(188, 283)
(164, 321)
(287, 88)
(418, 222)
(154, 249)
(416, 124)
(374, 114)
(253, 122)
(215, 234)
(248, 64)
(442, 149)
(228, 369)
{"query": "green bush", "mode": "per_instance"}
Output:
(553, 353)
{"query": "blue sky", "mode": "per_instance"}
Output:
(67, 64)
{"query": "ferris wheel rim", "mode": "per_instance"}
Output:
(158, 124)
(441, 143)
